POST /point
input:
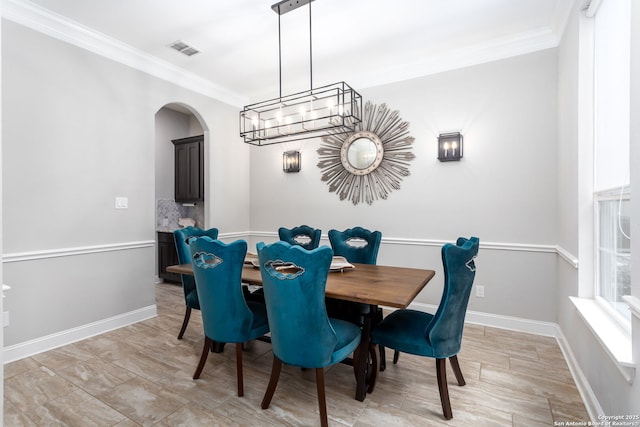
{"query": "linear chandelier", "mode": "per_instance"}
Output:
(331, 109)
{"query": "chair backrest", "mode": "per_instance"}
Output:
(181, 237)
(444, 332)
(298, 235)
(294, 281)
(217, 267)
(356, 244)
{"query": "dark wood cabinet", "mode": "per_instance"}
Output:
(189, 169)
(167, 256)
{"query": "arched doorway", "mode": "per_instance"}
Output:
(174, 121)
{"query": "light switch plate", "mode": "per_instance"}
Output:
(122, 202)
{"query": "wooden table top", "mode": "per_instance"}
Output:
(370, 284)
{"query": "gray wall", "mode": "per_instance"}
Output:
(169, 125)
(503, 190)
(78, 130)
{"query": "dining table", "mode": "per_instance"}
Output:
(375, 285)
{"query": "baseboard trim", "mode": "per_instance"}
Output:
(586, 392)
(538, 328)
(49, 342)
(518, 324)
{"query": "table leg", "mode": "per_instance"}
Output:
(362, 359)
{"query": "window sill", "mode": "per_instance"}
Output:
(614, 339)
(634, 305)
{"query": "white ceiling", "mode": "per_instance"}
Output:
(363, 42)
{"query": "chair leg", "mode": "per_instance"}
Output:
(203, 359)
(373, 374)
(239, 369)
(456, 369)
(441, 371)
(396, 355)
(322, 401)
(378, 316)
(273, 382)
(383, 359)
(185, 322)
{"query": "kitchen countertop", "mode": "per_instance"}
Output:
(166, 229)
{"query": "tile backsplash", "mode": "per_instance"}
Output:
(168, 212)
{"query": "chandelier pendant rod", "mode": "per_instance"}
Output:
(310, 52)
(279, 53)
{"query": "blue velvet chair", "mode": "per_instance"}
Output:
(299, 235)
(437, 335)
(181, 238)
(357, 245)
(346, 243)
(226, 315)
(302, 334)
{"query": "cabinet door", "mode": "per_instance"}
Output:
(189, 170)
(167, 256)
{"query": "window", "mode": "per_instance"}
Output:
(612, 55)
(614, 250)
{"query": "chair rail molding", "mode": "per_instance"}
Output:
(80, 250)
(498, 246)
(567, 256)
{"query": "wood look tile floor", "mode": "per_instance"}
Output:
(141, 375)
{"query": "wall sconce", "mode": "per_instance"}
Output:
(449, 147)
(291, 161)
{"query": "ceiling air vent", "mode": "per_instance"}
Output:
(182, 47)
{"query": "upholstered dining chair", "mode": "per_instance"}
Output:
(437, 335)
(303, 235)
(226, 315)
(302, 334)
(357, 245)
(181, 237)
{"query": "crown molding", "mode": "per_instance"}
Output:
(494, 50)
(59, 27)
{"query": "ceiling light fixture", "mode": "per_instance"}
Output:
(331, 109)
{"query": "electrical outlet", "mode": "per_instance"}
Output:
(122, 203)
(5, 319)
(480, 291)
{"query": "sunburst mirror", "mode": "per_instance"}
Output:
(369, 163)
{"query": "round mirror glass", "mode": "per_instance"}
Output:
(362, 153)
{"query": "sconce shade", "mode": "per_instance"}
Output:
(334, 109)
(291, 161)
(450, 147)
